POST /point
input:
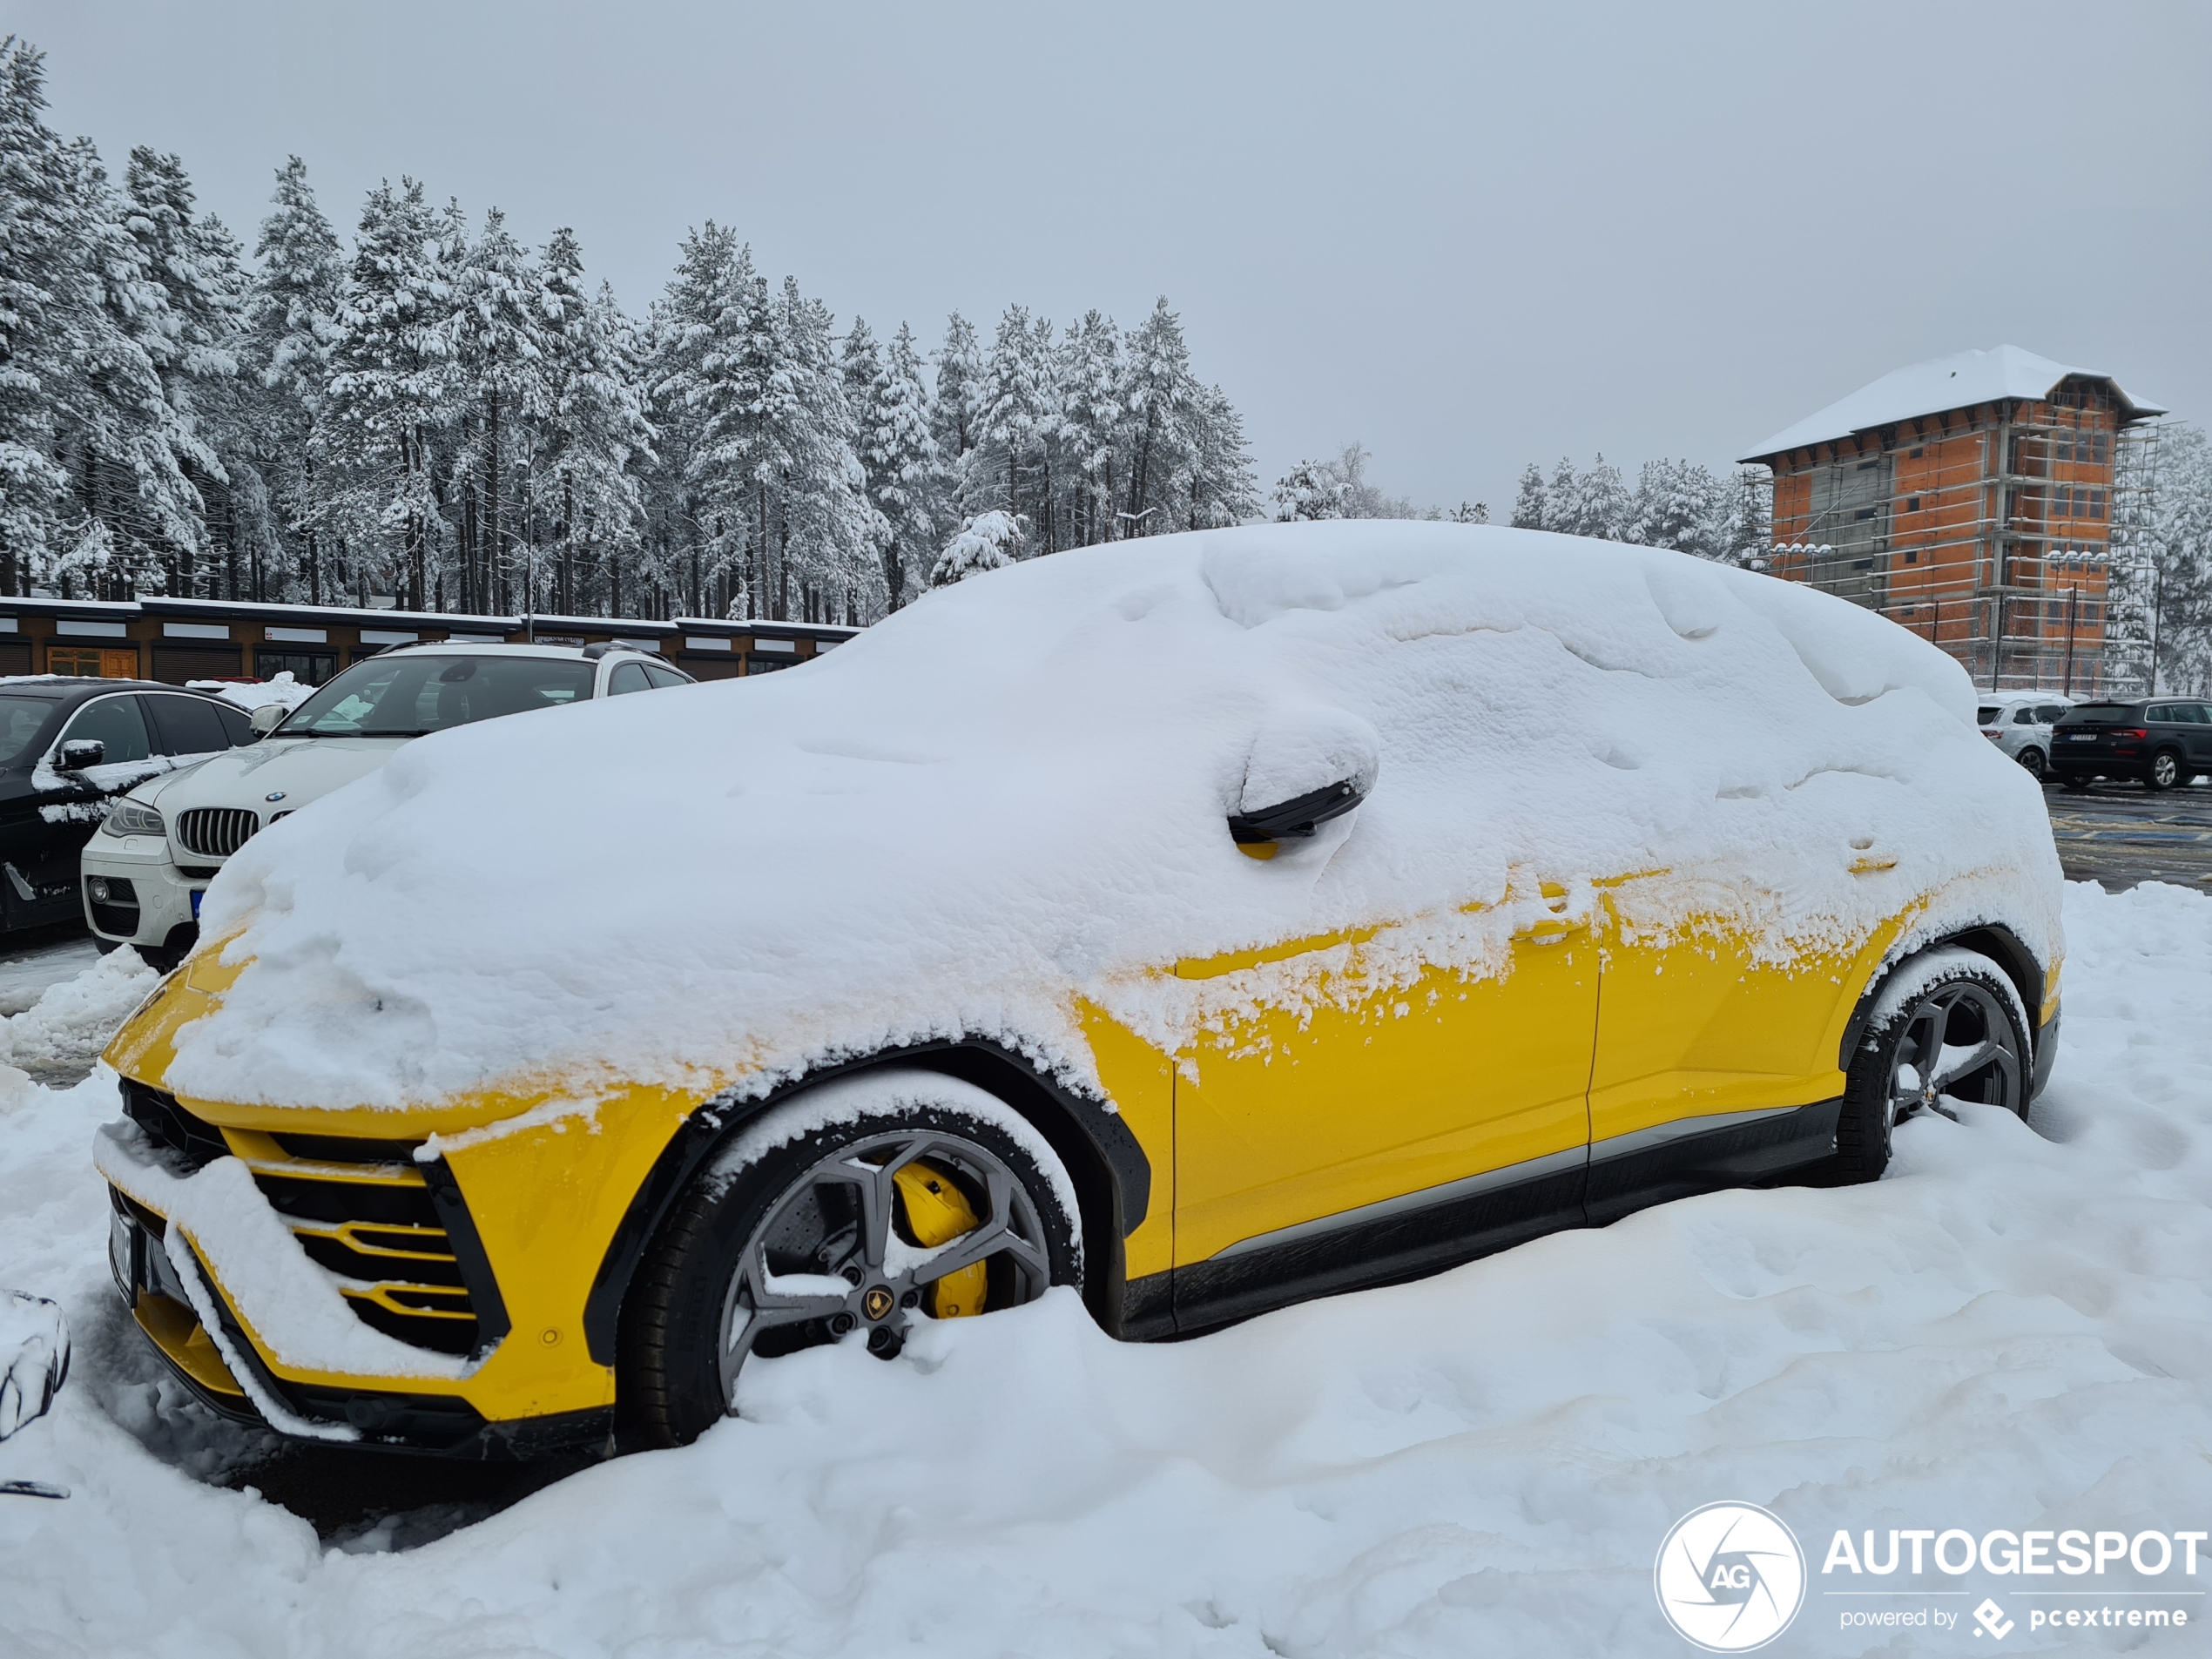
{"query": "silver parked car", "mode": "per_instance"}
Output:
(2019, 724)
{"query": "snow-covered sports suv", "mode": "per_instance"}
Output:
(1201, 923)
(143, 874)
(2020, 725)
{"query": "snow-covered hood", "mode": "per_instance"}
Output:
(298, 770)
(1007, 801)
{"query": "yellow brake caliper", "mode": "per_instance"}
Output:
(938, 1213)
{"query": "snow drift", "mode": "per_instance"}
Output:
(1013, 794)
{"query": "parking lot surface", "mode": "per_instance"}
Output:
(2119, 834)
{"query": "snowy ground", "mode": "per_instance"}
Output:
(2012, 1330)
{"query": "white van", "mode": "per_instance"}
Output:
(143, 873)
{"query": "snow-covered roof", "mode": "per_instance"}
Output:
(1955, 382)
(1008, 801)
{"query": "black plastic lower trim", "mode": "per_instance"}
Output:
(1736, 1155)
(1401, 1246)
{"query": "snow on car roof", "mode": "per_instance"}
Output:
(1955, 382)
(1012, 795)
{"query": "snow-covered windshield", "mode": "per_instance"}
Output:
(410, 695)
(20, 720)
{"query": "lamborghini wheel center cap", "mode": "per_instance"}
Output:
(877, 1301)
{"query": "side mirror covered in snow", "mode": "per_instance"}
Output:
(1306, 766)
(267, 719)
(34, 1357)
(80, 753)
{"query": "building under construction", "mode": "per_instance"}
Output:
(1995, 502)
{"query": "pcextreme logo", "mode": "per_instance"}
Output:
(1729, 1577)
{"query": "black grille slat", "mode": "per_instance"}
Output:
(335, 1201)
(168, 1124)
(216, 832)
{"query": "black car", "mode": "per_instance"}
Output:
(2160, 741)
(69, 748)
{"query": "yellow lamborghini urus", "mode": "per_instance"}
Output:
(1204, 924)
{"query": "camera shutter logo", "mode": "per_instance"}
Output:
(1729, 1577)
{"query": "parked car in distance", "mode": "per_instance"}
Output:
(2158, 742)
(2021, 724)
(143, 873)
(69, 747)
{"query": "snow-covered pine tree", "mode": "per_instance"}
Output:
(1090, 374)
(1675, 505)
(906, 475)
(292, 323)
(190, 336)
(393, 385)
(594, 429)
(987, 542)
(826, 521)
(502, 316)
(50, 322)
(1312, 489)
(1014, 418)
(1158, 397)
(1220, 485)
(956, 405)
(1470, 512)
(681, 333)
(1531, 502)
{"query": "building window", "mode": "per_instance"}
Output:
(1911, 503)
(2096, 502)
(1912, 454)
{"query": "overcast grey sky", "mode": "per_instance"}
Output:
(1467, 237)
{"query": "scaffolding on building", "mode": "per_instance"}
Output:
(2032, 565)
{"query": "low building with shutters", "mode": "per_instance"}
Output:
(1991, 501)
(181, 640)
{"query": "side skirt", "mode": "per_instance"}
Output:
(1380, 1244)
(1425, 1232)
(1679, 1160)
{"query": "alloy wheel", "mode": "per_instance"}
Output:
(2032, 760)
(2165, 770)
(882, 1227)
(1958, 1043)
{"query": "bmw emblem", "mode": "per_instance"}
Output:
(274, 794)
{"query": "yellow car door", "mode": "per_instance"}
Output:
(1712, 1064)
(1327, 1133)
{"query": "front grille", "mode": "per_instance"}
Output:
(377, 1227)
(216, 832)
(168, 1124)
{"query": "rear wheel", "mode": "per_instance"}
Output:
(859, 1205)
(1947, 1029)
(2032, 760)
(2165, 770)
(2076, 782)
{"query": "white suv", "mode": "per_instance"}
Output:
(2019, 724)
(143, 873)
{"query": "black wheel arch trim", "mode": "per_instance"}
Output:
(1993, 939)
(1112, 1176)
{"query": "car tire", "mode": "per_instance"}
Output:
(2033, 760)
(1948, 999)
(827, 1217)
(2163, 772)
(2076, 782)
